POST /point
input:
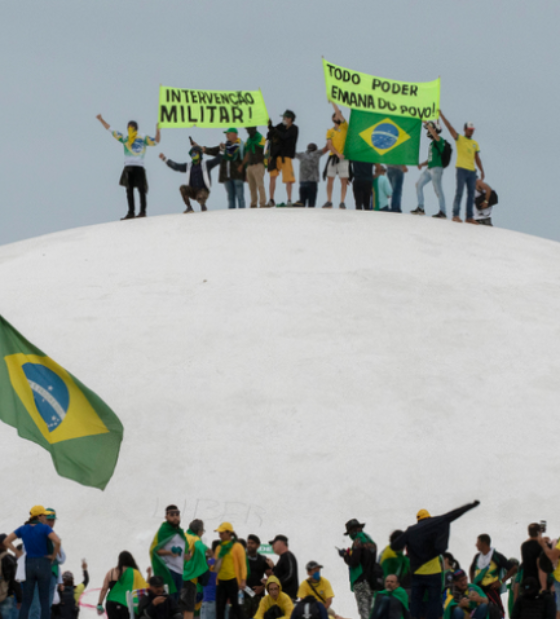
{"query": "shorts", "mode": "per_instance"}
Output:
(342, 169)
(187, 600)
(286, 168)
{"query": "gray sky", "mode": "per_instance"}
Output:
(63, 62)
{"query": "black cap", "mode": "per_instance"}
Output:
(277, 538)
(289, 114)
(352, 524)
(312, 565)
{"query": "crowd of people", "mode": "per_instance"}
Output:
(414, 576)
(375, 186)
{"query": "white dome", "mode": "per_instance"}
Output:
(288, 370)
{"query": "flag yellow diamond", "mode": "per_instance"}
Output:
(384, 136)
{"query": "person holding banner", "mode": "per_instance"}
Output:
(467, 155)
(283, 140)
(336, 164)
(433, 172)
(134, 173)
(199, 181)
(232, 173)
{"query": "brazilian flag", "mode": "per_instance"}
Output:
(51, 407)
(383, 139)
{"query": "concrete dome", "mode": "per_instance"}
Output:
(288, 370)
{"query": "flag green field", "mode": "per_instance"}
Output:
(48, 405)
(383, 139)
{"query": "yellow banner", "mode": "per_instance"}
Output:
(183, 107)
(368, 93)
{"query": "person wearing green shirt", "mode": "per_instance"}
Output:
(433, 172)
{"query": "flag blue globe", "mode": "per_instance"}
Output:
(384, 136)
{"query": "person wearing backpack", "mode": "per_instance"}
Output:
(434, 170)
(310, 607)
(316, 585)
(484, 201)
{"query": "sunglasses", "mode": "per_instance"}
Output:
(174, 513)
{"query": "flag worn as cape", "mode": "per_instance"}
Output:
(198, 564)
(49, 406)
(165, 533)
(130, 580)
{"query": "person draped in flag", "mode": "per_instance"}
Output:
(231, 569)
(195, 566)
(134, 173)
(253, 160)
(490, 570)
(392, 602)
(395, 562)
(463, 599)
(198, 182)
(124, 578)
(167, 551)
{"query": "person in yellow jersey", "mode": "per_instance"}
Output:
(275, 601)
(336, 163)
(552, 552)
(467, 155)
(231, 570)
(425, 542)
(316, 585)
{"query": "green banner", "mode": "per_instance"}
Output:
(48, 405)
(183, 107)
(383, 139)
(266, 549)
(368, 93)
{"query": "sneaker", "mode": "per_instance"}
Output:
(456, 218)
(342, 206)
(189, 209)
(471, 221)
(128, 216)
(441, 215)
(253, 206)
(418, 211)
(271, 203)
(289, 203)
(203, 208)
(327, 205)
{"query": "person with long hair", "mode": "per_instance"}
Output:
(123, 578)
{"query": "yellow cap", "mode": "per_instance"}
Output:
(225, 527)
(39, 511)
(423, 514)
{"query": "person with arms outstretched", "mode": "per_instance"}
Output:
(134, 173)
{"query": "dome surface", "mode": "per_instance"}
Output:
(288, 370)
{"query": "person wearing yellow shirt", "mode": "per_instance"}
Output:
(275, 598)
(336, 164)
(316, 585)
(231, 569)
(467, 155)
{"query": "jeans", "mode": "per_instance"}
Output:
(8, 608)
(235, 190)
(420, 584)
(396, 178)
(308, 193)
(208, 609)
(468, 178)
(37, 571)
(178, 581)
(434, 175)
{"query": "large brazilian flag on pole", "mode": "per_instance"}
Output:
(51, 407)
(383, 139)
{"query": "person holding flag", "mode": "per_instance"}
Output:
(167, 551)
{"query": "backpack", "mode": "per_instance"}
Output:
(446, 154)
(308, 607)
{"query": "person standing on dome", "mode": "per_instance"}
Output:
(198, 181)
(337, 164)
(231, 569)
(134, 173)
(467, 155)
(282, 140)
(433, 172)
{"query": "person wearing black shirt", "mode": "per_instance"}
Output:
(286, 569)
(156, 603)
(532, 604)
(283, 140)
(530, 552)
(259, 567)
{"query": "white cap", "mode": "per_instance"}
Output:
(469, 125)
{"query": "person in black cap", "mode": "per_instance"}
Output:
(286, 569)
(361, 560)
(283, 140)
